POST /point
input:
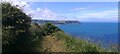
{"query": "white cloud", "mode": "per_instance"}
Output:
(38, 9)
(21, 4)
(100, 16)
(16, 2)
(44, 13)
(104, 16)
(38, 13)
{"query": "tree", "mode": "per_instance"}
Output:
(50, 28)
(15, 28)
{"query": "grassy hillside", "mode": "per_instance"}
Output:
(77, 45)
(57, 41)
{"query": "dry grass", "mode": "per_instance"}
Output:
(52, 44)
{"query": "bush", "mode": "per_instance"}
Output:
(36, 31)
(15, 29)
(50, 28)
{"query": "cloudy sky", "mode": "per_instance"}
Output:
(81, 11)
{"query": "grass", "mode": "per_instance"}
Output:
(59, 41)
(77, 45)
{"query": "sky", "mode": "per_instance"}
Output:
(80, 11)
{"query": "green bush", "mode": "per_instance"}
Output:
(37, 31)
(15, 29)
(50, 28)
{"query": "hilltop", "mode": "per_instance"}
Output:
(56, 21)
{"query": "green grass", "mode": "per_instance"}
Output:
(72, 44)
(77, 45)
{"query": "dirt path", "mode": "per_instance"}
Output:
(51, 44)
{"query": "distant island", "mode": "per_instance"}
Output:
(56, 21)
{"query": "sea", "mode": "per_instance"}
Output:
(103, 33)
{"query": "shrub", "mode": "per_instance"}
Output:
(50, 28)
(15, 28)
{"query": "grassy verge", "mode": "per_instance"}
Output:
(77, 45)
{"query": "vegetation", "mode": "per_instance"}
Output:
(15, 28)
(50, 28)
(77, 45)
(19, 35)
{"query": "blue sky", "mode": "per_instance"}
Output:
(72, 0)
(81, 11)
(73, 7)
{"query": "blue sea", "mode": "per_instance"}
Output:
(97, 32)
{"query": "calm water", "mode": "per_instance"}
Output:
(105, 33)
